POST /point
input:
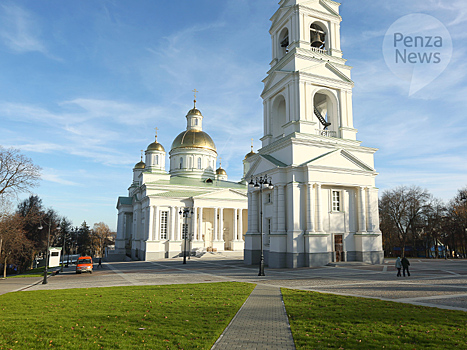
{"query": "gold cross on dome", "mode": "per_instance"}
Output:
(252, 144)
(142, 154)
(157, 129)
(195, 91)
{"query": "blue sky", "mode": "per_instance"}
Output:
(84, 83)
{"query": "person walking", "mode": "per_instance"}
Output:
(398, 266)
(405, 266)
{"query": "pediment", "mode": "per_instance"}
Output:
(264, 164)
(341, 159)
(327, 7)
(327, 70)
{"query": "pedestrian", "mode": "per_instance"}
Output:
(405, 266)
(100, 262)
(398, 266)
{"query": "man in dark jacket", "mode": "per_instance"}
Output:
(405, 266)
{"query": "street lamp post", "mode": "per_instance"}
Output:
(261, 182)
(186, 212)
(63, 250)
(44, 281)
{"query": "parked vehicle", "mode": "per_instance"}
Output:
(84, 264)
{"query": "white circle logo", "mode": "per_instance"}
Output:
(417, 48)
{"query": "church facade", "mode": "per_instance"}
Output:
(323, 203)
(192, 200)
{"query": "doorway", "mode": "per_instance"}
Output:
(339, 247)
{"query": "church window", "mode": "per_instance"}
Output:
(181, 162)
(164, 221)
(317, 37)
(199, 163)
(196, 122)
(157, 159)
(336, 201)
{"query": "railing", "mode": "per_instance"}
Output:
(315, 49)
(326, 133)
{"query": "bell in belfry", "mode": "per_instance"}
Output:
(318, 37)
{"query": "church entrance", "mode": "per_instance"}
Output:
(207, 235)
(339, 248)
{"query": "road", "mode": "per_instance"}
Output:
(436, 283)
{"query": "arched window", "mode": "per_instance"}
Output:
(279, 116)
(181, 162)
(199, 163)
(157, 159)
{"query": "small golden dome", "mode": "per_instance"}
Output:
(221, 171)
(194, 139)
(140, 165)
(250, 155)
(194, 111)
(156, 146)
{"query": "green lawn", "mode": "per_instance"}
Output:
(324, 321)
(149, 317)
(37, 272)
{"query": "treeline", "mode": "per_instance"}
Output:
(25, 234)
(414, 223)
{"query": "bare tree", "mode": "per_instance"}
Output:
(100, 236)
(13, 243)
(404, 210)
(17, 172)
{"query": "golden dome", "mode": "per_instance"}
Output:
(194, 139)
(250, 154)
(140, 165)
(156, 146)
(194, 111)
(221, 171)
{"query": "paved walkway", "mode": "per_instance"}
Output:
(261, 324)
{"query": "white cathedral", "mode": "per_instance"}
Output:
(151, 224)
(322, 203)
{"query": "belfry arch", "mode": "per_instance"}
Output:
(284, 42)
(325, 106)
(319, 36)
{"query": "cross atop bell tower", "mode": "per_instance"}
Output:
(308, 89)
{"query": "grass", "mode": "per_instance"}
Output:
(143, 317)
(324, 321)
(37, 272)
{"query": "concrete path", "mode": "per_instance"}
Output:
(260, 324)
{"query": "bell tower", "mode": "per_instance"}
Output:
(324, 204)
(308, 89)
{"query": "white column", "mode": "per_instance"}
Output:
(221, 224)
(171, 235)
(200, 224)
(194, 223)
(370, 226)
(235, 224)
(281, 210)
(319, 209)
(177, 224)
(240, 226)
(361, 210)
(216, 231)
(156, 226)
(310, 227)
(275, 207)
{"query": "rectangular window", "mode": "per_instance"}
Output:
(164, 222)
(336, 201)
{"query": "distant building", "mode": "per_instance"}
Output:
(150, 225)
(324, 205)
